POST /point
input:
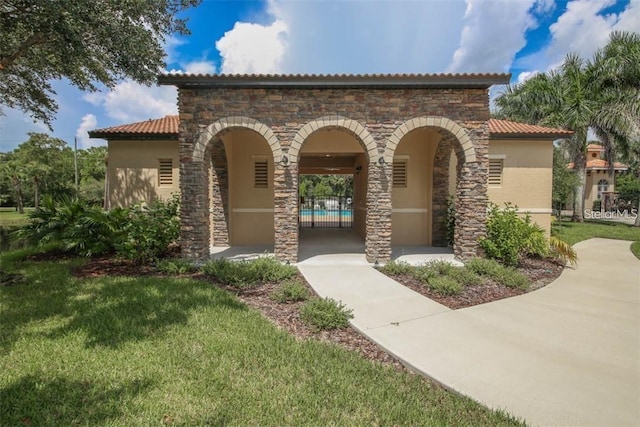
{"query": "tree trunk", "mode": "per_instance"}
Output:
(36, 192)
(637, 223)
(580, 166)
(18, 189)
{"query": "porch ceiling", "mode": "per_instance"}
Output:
(341, 163)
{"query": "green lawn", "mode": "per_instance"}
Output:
(171, 351)
(9, 217)
(573, 232)
(635, 248)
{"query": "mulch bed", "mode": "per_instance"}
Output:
(540, 272)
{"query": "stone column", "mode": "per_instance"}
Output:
(378, 228)
(218, 193)
(440, 191)
(471, 201)
(194, 218)
(285, 181)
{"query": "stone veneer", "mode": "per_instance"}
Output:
(285, 117)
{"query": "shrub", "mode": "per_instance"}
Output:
(484, 267)
(424, 273)
(505, 276)
(269, 269)
(441, 267)
(396, 268)
(175, 266)
(465, 276)
(149, 230)
(292, 290)
(509, 237)
(597, 205)
(74, 225)
(445, 285)
(325, 314)
(248, 273)
(512, 278)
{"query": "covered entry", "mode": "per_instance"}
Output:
(332, 183)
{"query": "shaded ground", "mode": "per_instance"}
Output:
(287, 315)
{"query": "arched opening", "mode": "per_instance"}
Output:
(333, 168)
(428, 156)
(412, 185)
(238, 161)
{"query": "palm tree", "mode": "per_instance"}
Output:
(602, 94)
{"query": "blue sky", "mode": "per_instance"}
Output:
(345, 36)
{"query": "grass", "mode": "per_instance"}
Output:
(635, 248)
(574, 232)
(175, 351)
(9, 217)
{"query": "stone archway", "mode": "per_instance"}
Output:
(349, 125)
(218, 127)
(372, 154)
(471, 185)
(455, 129)
(204, 183)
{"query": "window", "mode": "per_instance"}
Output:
(603, 186)
(165, 172)
(400, 173)
(495, 172)
(261, 174)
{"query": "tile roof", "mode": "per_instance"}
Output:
(594, 147)
(477, 80)
(166, 126)
(602, 164)
(508, 128)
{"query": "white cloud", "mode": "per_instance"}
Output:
(89, 122)
(130, 102)
(526, 75)
(253, 48)
(582, 28)
(494, 32)
(200, 67)
(339, 36)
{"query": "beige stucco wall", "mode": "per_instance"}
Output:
(411, 206)
(591, 188)
(526, 178)
(251, 209)
(133, 171)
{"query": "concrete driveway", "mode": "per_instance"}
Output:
(567, 354)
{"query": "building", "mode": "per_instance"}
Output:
(600, 191)
(240, 142)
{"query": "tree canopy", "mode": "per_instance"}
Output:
(601, 94)
(87, 42)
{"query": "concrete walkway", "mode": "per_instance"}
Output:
(567, 354)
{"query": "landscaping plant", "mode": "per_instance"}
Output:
(291, 290)
(325, 314)
(248, 273)
(509, 237)
(149, 230)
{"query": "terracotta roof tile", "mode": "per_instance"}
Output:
(602, 164)
(594, 147)
(168, 125)
(506, 127)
